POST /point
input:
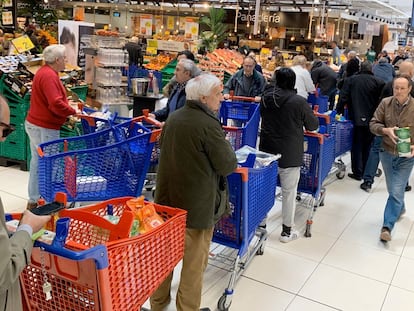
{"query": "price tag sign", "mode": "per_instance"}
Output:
(23, 44)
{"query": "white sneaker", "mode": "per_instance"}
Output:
(288, 238)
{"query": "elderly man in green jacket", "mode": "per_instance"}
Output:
(194, 162)
(16, 249)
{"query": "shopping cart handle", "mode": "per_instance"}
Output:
(243, 98)
(99, 253)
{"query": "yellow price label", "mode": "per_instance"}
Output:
(151, 50)
(23, 44)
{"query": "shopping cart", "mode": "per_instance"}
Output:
(252, 195)
(318, 158)
(98, 166)
(342, 132)
(92, 123)
(91, 267)
(240, 120)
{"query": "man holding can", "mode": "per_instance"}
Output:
(393, 114)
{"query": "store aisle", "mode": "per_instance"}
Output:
(343, 266)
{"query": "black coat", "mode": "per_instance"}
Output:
(284, 114)
(323, 76)
(361, 93)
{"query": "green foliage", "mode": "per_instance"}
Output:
(217, 30)
(43, 16)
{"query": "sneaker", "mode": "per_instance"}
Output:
(378, 173)
(385, 235)
(205, 309)
(407, 188)
(366, 186)
(354, 176)
(284, 238)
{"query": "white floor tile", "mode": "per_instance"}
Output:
(12, 203)
(282, 270)
(251, 295)
(408, 251)
(301, 304)
(14, 181)
(365, 261)
(314, 248)
(344, 290)
(398, 299)
(404, 274)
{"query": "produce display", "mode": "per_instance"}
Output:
(158, 62)
(222, 60)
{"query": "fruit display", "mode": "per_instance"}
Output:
(107, 33)
(221, 60)
(158, 62)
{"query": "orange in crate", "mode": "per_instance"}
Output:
(104, 269)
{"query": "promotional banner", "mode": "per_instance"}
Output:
(170, 22)
(145, 24)
(158, 24)
(191, 28)
(69, 34)
(8, 14)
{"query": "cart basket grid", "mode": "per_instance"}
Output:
(261, 187)
(136, 266)
(106, 164)
(241, 123)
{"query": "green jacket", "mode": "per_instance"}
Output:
(194, 157)
(15, 255)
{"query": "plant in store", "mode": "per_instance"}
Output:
(216, 33)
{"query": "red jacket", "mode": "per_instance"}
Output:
(49, 106)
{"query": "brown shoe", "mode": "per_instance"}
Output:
(31, 205)
(385, 235)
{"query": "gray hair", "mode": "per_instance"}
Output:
(53, 52)
(201, 85)
(351, 54)
(190, 66)
(299, 60)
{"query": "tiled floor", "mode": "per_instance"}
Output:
(343, 266)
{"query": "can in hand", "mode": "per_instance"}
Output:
(404, 142)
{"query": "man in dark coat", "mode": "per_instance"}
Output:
(284, 115)
(194, 162)
(324, 78)
(361, 94)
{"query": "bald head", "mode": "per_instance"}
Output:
(406, 68)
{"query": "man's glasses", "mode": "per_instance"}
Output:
(7, 129)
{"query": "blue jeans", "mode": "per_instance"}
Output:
(371, 166)
(397, 171)
(37, 135)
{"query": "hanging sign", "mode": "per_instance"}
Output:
(146, 24)
(22, 44)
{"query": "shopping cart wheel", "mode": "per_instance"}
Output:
(308, 233)
(223, 304)
(260, 251)
(340, 174)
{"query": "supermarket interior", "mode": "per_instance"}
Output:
(120, 59)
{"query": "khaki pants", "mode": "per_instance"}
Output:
(196, 249)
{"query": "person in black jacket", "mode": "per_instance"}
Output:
(324, 77)
(361, 93)
(284, 114)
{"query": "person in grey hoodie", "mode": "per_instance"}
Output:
(284, 115)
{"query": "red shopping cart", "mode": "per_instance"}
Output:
(93, 264)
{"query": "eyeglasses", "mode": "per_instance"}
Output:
(7, 129)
